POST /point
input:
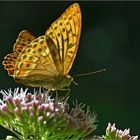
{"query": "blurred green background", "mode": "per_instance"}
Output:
(110, 39)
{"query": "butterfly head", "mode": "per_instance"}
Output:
(69, 79)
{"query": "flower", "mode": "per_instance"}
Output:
(38, 116)
(112, 133)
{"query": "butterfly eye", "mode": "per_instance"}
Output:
(68, 76)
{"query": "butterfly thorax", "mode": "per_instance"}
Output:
(62, 82)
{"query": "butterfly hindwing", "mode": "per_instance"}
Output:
(9, 63)
(24, 38)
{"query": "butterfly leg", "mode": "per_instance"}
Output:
(65, 97)
(67, 94)
(49, 91)
(39, 90)
(68, 90)
(56, 95)
(65, 89)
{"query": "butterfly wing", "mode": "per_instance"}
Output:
(24, 38)
(9, 63)
(65, 33)
(35, 65)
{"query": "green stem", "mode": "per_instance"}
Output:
(19, 136)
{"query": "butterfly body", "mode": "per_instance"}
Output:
(46, 61)
(57, 83)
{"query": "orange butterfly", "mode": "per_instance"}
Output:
(46, 61)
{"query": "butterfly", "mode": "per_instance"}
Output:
(46, 61)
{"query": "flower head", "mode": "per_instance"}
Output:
(37, 116)
(112, 133)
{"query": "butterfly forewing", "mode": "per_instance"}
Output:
(54, 54)
(65, 32)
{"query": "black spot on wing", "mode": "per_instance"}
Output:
(70, 45)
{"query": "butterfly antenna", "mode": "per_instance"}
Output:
(75, 83)
(89, 73)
